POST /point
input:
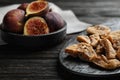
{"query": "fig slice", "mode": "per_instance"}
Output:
(35, 26)
(39, 8)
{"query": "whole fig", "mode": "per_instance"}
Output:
(13, 21)
(23, 6)
(35, 26)
(54, 21)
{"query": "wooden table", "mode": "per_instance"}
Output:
(17, 64)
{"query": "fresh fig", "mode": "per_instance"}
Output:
(38, 8)
(54, 21)
(23, 6)
(35, 26)
(13, 21)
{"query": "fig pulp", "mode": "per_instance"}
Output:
(54, 21)
(23, 6)
(13, 21)
(37, 8)
(35, 26)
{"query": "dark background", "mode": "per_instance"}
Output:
(17, 64)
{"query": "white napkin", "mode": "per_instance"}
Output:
(73, 24)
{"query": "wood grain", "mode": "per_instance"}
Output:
(20, 64)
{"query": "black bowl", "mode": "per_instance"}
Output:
(41, 41)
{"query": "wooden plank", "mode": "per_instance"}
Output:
(34, 55)
(94, 11)
(92, 8)
(96, 20)
(108, 12)
(94, 4)
(31, 67)
(28, 78)
(40, 69)
(61, 0)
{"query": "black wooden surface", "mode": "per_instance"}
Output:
(21, 64)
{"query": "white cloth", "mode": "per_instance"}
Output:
(73, 24)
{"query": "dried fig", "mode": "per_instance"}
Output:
(23, 6)
(39, 8)
(35, 26)
(54, 21)
(13, 21)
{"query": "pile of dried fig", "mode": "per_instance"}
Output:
(100, 47)
(32, 18)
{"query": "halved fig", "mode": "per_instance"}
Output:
(37, 8)
(35, 26)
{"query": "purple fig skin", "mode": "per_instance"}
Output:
(13, 21)
(23, 6)
(54, 21)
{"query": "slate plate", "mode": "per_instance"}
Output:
(79, 67)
